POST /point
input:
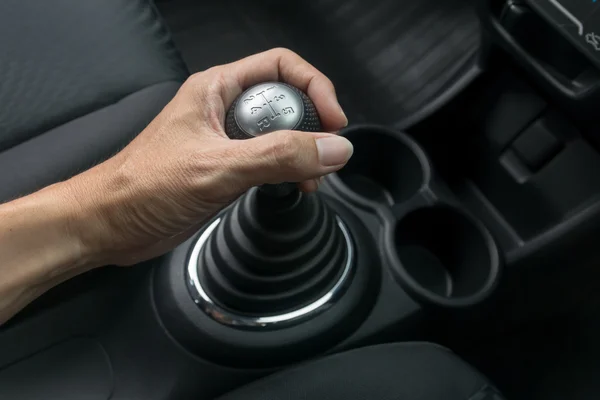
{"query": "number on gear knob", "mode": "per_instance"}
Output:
(269, 107)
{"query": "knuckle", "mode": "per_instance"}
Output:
(195, 87)
(286, 150)
(195, 81)
(284, 52)
(206, 91)
(218, 83)
(328, 82)
(206, 82)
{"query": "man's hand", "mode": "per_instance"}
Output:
(182, 168)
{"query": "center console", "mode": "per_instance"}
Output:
(412, 245)
(281, 275)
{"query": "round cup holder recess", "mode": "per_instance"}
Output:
(386, 168)
(444, 257)
(440, 254)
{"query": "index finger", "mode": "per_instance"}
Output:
(286, 66)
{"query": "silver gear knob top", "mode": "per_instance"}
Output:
(269, 107)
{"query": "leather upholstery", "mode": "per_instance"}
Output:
(79, 144)
(63, 59)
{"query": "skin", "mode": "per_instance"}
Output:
(162, 187)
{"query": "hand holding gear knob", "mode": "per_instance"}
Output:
(269, 107)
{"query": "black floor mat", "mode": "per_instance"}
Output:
(387, 58)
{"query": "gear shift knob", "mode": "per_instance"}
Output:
(269, 107)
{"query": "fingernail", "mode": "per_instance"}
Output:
(334, 150)
(345, 118)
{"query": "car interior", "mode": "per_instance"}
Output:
(456, 256)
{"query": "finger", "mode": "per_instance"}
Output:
(309, 186)
(285, 156)
(286, 66)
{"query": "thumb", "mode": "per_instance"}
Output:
(290, 156)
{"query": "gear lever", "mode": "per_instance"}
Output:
(277, 254)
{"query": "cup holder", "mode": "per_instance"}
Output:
(441, 255)
(387, 167)
(444, 257)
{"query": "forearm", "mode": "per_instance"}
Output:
(38, 247)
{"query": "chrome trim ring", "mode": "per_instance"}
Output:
(223, 316)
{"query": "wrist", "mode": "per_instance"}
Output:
(100, 214)
(82, 200)
(38, 247)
